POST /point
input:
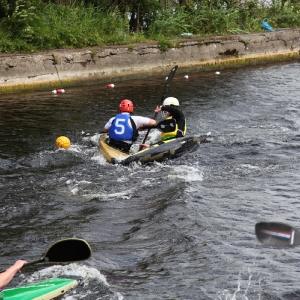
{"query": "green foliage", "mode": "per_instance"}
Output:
(171, 23)
(32, 25)
(77, 26)
(24, 19)
(93, 54)
(216, 21)
(136, 38)
(131, 47)
(164, 44)
(289, 17)
(10, 44)
(4, 8)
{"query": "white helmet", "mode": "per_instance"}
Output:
(171, 101)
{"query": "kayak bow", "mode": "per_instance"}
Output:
(44, 290)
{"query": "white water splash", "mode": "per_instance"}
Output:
(76, 270)
(81, 189)
(86, 276)
(241, 293)
(187, 173)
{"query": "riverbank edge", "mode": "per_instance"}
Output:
(68, 67)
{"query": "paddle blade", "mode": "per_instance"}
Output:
(277, 234)
(168, 82)
(68, 250)
(171, 75)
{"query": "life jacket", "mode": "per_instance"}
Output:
(172, 134)
(120, 129)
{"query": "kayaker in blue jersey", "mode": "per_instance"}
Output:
(123, 128)
(8, 275)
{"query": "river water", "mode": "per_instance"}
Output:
(182, 229)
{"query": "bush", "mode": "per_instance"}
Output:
(32, 25)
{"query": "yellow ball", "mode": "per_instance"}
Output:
(62, 142)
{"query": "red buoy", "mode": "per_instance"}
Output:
(110, 85)
(59, 91)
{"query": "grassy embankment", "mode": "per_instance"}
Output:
(52, 26)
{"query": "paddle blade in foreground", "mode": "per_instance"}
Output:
(277, 234)
(68, 250)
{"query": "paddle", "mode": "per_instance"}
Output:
(277, 234)
(168, 82)
(65, 251)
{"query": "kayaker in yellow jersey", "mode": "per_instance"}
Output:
(173, 113)
(170, 108)
(8, 275)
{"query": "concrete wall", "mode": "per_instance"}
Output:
(59, 68)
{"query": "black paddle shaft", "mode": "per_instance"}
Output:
(168, 82)
(277, 234)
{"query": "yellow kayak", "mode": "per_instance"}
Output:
(157, 152)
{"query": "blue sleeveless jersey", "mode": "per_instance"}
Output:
(120, 129)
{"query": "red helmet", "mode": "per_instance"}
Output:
(126, 106)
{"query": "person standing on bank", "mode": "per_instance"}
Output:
(123, 128)
(8, 275)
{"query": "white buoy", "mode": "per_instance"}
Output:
(217, 73)
(186, 76)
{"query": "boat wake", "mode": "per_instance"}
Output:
(91, 283)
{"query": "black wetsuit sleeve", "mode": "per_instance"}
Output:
(174, 111)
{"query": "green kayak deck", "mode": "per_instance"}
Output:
(43, 290)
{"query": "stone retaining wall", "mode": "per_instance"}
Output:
(59, 68)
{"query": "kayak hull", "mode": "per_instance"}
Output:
(44, 290)
(109, 152)
(158, 152)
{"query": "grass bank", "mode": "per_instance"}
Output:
(37, 25)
